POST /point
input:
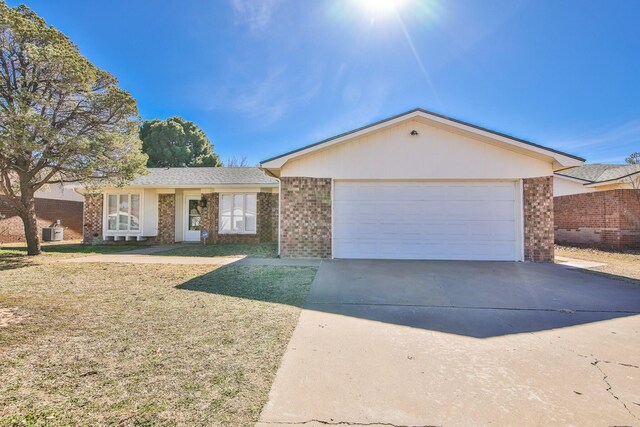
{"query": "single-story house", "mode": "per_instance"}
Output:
(596, 177)
(419, 185)
(55, 204)
(217, 205)
(598, 205)
(415, 186)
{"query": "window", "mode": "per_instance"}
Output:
(238, 213)
(194, 215)
(123, 212)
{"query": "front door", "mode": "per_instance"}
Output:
(192, 218)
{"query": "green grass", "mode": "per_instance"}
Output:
(258, 250)
(135, 344)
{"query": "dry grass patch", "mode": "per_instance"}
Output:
(15, 255)
(115, 344)
(625, 265)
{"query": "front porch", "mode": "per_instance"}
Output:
(167, 216)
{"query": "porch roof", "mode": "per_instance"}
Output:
(180, 177)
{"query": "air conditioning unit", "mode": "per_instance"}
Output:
(52, 234)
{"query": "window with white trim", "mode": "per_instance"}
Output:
(238, 213)
(123, 212)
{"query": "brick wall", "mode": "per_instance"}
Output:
(92, 218)
(538, 219)
(47, 211)
(266, 220)
(305, 217)
(166, 219)
(604, 219)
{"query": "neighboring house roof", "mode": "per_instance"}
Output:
(181, 177)
(600, 173)
(563, 158)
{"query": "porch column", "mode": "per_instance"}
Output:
(166, 218)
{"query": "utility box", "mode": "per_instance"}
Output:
(53, 234)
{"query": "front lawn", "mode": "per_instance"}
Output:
(139, 344)
(258, 250)
(13, 255)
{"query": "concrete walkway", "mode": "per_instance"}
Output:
(460, 343)
(128, 258)
(147, 256)
(578, 263)
(281, 262)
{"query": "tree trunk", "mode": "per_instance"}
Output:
(31, 232)
(29, 219)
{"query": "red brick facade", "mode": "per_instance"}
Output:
(266, 221)
(603, 219)
(92, 218)
(166, 219)
(305, 217)
(48, 211)
(538, 219)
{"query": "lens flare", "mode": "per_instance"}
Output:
(380, 8)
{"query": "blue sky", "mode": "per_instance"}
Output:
(261, 77)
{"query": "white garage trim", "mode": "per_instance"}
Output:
(520, 219)
(476, 220)
(333, 217)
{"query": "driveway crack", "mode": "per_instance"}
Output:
(605, 378)
(596, 362)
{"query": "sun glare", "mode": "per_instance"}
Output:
(380, 8)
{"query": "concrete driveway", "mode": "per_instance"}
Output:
(461, 343)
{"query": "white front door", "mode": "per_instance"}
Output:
(425, 220)
(192, 218)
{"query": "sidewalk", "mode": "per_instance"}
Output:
(148, 256)
(145, 258)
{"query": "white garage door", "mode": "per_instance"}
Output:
(425, 220)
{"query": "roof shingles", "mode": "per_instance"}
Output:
(598, 172)
(203, 177)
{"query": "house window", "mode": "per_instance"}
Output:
(238, 213)
(123, 212)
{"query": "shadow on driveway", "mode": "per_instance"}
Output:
(476, 299)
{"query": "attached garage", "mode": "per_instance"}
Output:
(426, 220)
(419, 186)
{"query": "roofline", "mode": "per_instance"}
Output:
(594, 183)
(194, 186)
(421, 110)
(572, 178)
(589, 182)
(204, 167)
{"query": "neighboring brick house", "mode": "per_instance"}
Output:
(598, 205)
(53, 203)
(419, 186)
(168, 205)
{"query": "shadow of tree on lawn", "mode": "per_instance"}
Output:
(279, 284)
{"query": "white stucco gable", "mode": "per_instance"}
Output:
(418, 145)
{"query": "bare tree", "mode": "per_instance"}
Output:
(634, 180)
(234, 162)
